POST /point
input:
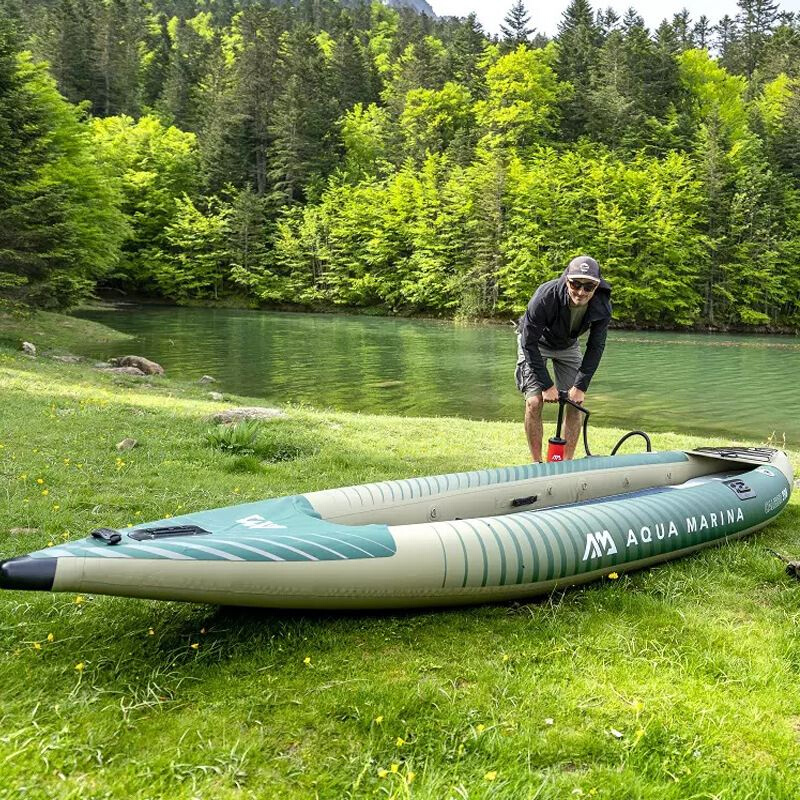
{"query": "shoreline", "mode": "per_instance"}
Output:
(379, 312)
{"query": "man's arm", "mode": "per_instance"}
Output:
(594, 352)
(533, 324)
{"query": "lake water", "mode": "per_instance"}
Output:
(731, 386)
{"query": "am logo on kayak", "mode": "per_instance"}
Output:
(601, 543)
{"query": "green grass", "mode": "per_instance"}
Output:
(694, 664)
(53, 332)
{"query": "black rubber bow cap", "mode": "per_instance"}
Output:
(35, 574)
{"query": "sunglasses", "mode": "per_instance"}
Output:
(587, 286)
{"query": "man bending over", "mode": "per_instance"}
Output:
(559, 312)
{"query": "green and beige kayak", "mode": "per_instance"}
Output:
(470, 537)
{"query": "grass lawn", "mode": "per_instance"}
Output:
(679, 682)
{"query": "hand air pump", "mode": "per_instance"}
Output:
(556, 445)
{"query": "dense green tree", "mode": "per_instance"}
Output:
(60, 225)
(523, 97)
(195, 259)
(156, 166)
(356, 154)
(303, 118)
(433, 120)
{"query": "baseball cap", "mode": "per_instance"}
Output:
(584, 267)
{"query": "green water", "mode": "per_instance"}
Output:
(729, 386)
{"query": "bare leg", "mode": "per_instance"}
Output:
(533, 425)
(572, 428)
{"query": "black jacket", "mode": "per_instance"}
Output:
(547, 320)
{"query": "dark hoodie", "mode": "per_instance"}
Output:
(547, 321)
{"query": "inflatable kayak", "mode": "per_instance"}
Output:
(469, 537)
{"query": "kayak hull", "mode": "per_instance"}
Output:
(430, 541)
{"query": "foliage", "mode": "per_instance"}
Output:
(357, 155)
(239, 438)
(60, 225)
(155, 165)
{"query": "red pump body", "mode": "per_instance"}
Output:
(556, 445)
(555, 448)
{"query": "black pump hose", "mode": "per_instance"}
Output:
(563, 399)
(628, 436)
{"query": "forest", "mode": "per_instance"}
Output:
(322, 155)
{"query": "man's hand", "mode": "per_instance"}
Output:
(550, 395)
(577, 395)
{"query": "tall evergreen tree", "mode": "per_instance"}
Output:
(701, 33)
(726, 39)
(607, 21)
(682, 26)
(577, 53)
(121, 24)
(466, 49)
(756, 20)
(516, 30)
(302, 124)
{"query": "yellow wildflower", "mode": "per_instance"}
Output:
(45, 492)
(40, 481)
(78, 600)
(307, 661)
(612, 576)
(379, 719)
(410, 776)
(151, 632)
(196, 645)
(382, 773)
(394, 768)
(490, 776)
(37, 646)
(506, 656)
(56, 506)
(80, 666)
(400, 741)
(50, 637)
(480, 727)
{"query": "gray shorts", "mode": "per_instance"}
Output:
(566, 364)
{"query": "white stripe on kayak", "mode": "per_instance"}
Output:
(270, 556)
(164, 553)
(97, 551)
(371, 541)
(213, 551)
(306, 541)
(334, 539)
